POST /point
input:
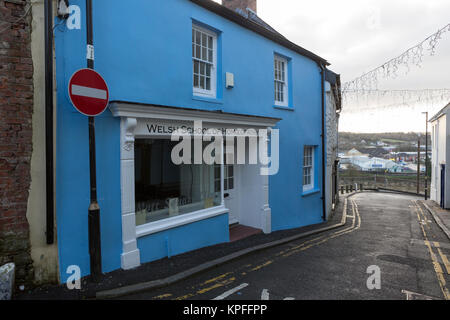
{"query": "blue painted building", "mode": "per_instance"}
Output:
(167, 64)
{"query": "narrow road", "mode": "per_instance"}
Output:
(390, 248)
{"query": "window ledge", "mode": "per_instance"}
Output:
(170, 223)
(310, 192)
(284, 108)
(206, 99)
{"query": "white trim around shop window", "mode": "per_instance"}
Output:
(183, 219)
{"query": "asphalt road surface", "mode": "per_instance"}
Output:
(390, 248)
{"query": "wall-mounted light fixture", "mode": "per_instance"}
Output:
(229, 80)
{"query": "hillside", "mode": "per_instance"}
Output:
(401, 140)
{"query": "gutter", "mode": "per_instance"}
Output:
(49, 178)
(322, 74)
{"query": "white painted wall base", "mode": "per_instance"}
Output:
(130, 259)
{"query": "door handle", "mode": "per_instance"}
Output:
(226, 195)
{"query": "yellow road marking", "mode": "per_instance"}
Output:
(162, 296)
(436, 264)
(332, 236)
(292, 250)
(215, 279)
(204, 290)
(443, 257)
(262, 265)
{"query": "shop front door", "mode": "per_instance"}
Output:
(231, 195)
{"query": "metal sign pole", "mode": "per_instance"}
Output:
(94, 209)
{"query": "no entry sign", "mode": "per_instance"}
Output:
(88, 92)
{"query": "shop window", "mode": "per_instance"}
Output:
(204, 52)
(164, 190)
(308, 168)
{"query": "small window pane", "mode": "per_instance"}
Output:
(195, 80)
(198, 52)
(230, 183)
(202, 82)
(204, 57)
(210, 56)
(204, 40)
(208, 83)
(197, 37)
(230, 171)
(202, 69)
(210, 42)
(196, 67)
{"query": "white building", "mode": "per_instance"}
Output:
(440, 155)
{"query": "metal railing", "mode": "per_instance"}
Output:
(399, 182)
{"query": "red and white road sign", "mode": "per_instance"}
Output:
(88, 92)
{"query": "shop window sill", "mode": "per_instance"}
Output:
(206, 99)
(310, 192)
(170, 223)
(287, 108)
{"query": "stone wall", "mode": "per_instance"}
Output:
(331, 125)
(16, 108)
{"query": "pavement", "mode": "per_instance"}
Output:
(168, 271)
(389, 249)
(440, 215)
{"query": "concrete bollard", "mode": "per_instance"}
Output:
(346, 188)
(7, 275)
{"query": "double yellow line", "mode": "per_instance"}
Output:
(229, 277)
(314, 242)
(436, 265)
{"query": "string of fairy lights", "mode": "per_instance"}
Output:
(363, 93)
(374, 99)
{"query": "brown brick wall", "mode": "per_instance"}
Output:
(241, 4)
(16, 107)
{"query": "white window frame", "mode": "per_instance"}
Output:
(310, 186)
(212, 93)
(281, 79)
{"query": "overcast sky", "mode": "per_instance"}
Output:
(356, 36)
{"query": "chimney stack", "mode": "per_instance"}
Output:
(240, 4)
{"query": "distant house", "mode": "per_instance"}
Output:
(354, 153)
(375, 152)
